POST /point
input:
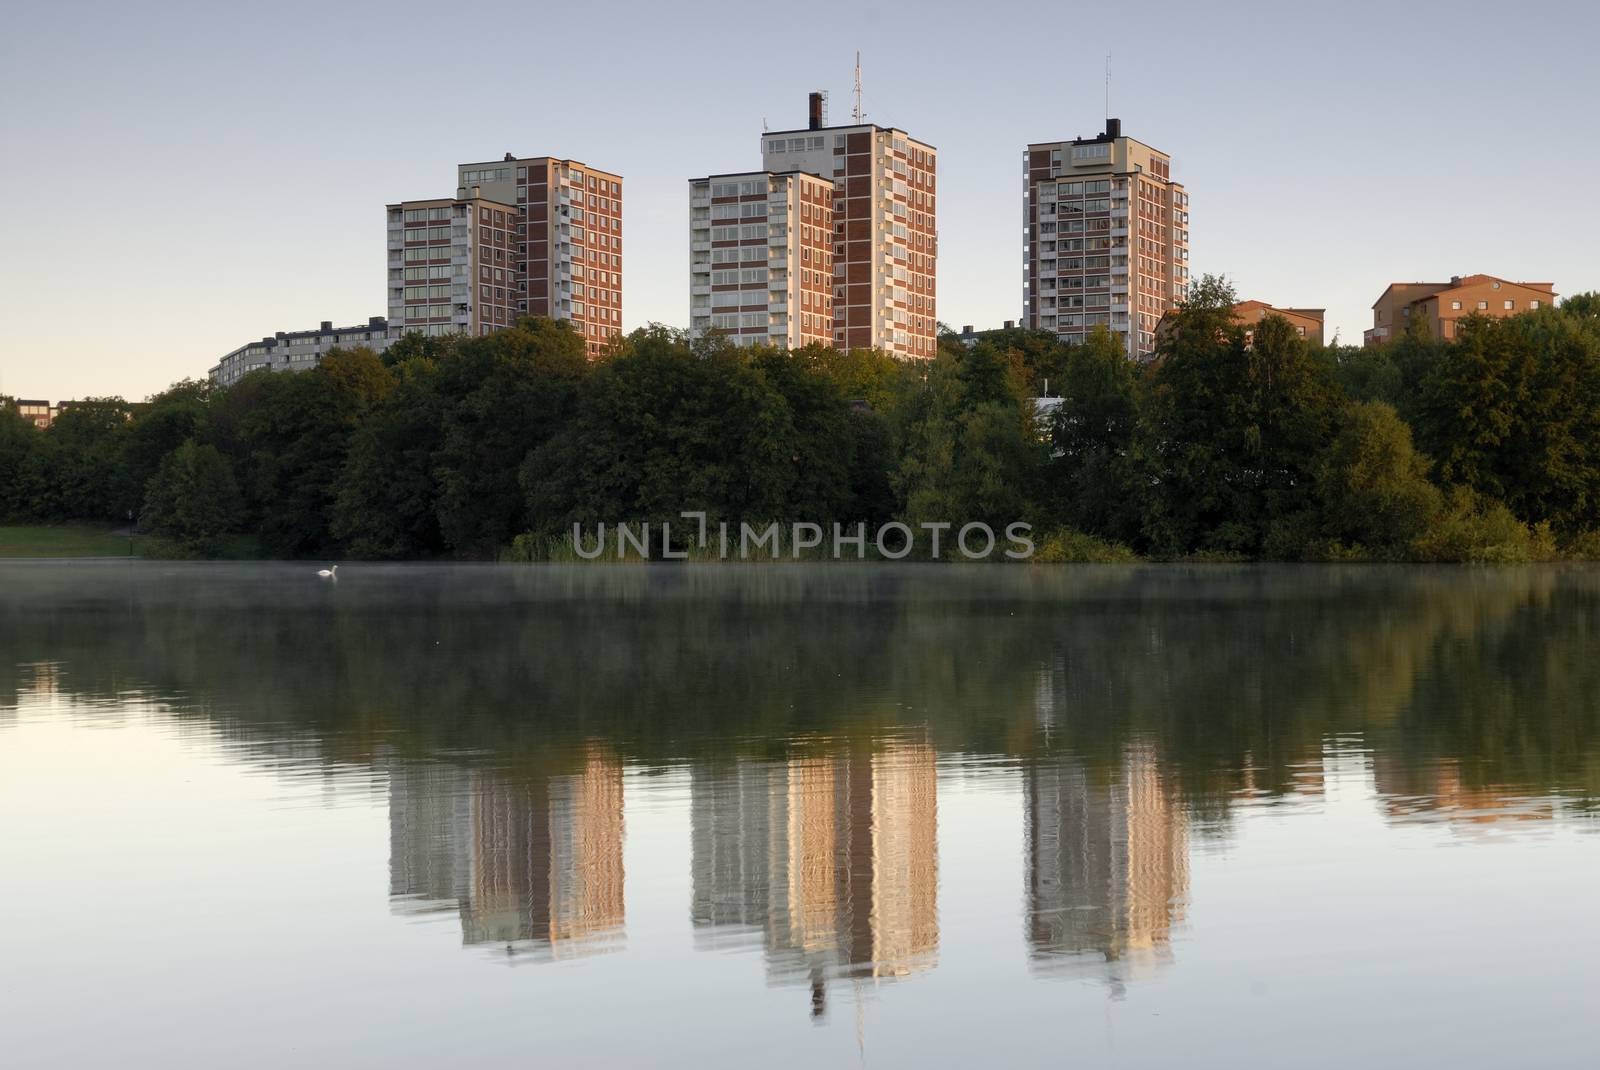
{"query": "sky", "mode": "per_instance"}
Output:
(183, 177)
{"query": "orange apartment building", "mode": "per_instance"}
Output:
(761, 258)
(1307, 322)
(1107, 233)
(1441, 304)
(885, 233)
(568, 240)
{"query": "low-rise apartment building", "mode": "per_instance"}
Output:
(1441, 304)
(298, 351)
(39, 413)
(1307, 322)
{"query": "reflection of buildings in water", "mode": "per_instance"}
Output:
(37, 681)
(1427, 791)
(831, 860)
(1107, 866)
(534, 863)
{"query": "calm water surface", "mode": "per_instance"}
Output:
(797, 816)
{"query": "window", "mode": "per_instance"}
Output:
(1483, 304)
(1455, 304)
(1511, 305)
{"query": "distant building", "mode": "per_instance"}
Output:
(885, 235)
(1107, 233)
(452, 265)
(761, 258)
(1441, 304)
(298, 351)
(566, 237)
(969, 336)
(41, 413)
(1307, 322)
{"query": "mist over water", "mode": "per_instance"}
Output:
(794, 815)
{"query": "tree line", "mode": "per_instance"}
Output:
(1231, 443)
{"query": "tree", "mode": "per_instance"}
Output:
(504, 395)
(1512, 410)
(72, 474)
(296, 434)
(1372, 487)
(1093, 474)
(161, 425)
(868, 375)
(970, 445)
(1234, 423)
(387, 500)
(18, 439)
(663, 427)
(193, 499)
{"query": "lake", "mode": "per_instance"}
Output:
(768, 815)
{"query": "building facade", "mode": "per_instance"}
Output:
(568, 239)
(1107, 238)
(885, 233)
(40, 414)
(761, 258)
(298, 351)
(452, 266)
(1307, 322)
(1442, 304)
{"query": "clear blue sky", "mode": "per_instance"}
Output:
(183, 177)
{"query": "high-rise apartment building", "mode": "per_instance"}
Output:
(568, 239)
(761, 258)
(885, 237)
(1107, 238)
(451, 265)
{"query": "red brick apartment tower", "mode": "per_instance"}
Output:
(451, 265)
(1107, 238)
(761, 258)
(569, 239)
(885, 233)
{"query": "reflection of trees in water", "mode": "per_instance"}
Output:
(1235, 677)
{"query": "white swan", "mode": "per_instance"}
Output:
(329, 573)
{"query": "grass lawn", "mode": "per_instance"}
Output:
(63, 540)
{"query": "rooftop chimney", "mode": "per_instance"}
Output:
(327, 326)
(509, 157)
(1113, 128)
(1010, 324)
(816, 111)
(966, 328)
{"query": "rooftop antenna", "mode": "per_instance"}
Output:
(1108, 83)
(858, 111)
